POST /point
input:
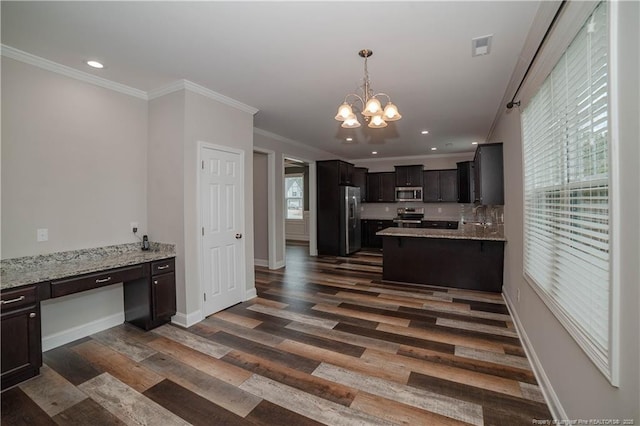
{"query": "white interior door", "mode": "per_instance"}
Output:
(222, 250)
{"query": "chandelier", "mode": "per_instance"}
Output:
(371, 110)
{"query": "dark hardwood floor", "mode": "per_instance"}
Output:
(326, 342)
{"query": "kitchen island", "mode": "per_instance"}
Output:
(471, 257)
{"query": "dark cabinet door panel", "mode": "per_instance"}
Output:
(448, 186)
(21, 354)
(431, 188)
(163, 290)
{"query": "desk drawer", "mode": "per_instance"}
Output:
(17, 298)
(87, 282)
(163, 266)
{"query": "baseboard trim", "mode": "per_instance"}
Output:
(63, 337)
(187, 320)
(279, 265)
(261, 262)
(250, 294)
(550, 396)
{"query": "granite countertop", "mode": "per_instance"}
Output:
(34, 269)
(464, 232)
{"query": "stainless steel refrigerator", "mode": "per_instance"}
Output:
(350, 232)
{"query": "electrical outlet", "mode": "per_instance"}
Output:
(42, 234)
(133, 226)
(439, 209)
(386, 209)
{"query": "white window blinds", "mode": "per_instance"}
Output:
(566, 190)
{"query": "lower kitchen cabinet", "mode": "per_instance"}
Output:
(149, 303)
(21, 335)
(369, 229)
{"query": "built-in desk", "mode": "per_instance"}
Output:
(148, 279)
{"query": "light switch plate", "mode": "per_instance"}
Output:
(42, 234)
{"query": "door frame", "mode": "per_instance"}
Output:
(313, 226)
(243, 264)
(271, 203)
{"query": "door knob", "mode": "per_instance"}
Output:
(238, 236)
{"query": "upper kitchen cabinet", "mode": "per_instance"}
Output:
(346, 173)
(336, 172)
(489, 180)
(440, 186)
(466, 181)
(409, 175)
(381, 187)
(360, 180)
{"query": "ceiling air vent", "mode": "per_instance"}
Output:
(481, 45)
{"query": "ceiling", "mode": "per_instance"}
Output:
(296, 61)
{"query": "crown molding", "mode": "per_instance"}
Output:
(413, 157)
(297, 144)
(196, 88)
(28, 58)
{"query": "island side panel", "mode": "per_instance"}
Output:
(467, 264)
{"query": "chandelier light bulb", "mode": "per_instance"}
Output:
(372, 108)
(351, 122)
(344, 111)
(391, 112)
(377, 122)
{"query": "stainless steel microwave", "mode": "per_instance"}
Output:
(408, 193)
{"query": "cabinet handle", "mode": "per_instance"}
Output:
(103, 280)
(155, 281)
(32, 315)
(160, 268)
(17, 299)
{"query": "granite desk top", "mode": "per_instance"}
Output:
(35, 269)
(464, 232)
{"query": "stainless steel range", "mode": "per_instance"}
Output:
(409, 217)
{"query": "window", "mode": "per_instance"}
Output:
(565, 132)
(294, 195)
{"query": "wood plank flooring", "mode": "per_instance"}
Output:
(325, 342)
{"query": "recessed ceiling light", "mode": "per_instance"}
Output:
(425, 132)
(374, 152)
(474, 143)
(95, 64)
(433, 148)
(349, 139)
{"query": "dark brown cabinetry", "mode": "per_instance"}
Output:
(489, 180)
(20, 334)
(468, 264)
(369, 229)
(151, 302)
(360, 180)
(409, 175)
(346, 173)
(440, 186)
(331, 174)
(466, 181)
(381, 187)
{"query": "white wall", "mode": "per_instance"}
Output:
(74, 160)
(260, 209)
(165, 195)
(580, 390)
